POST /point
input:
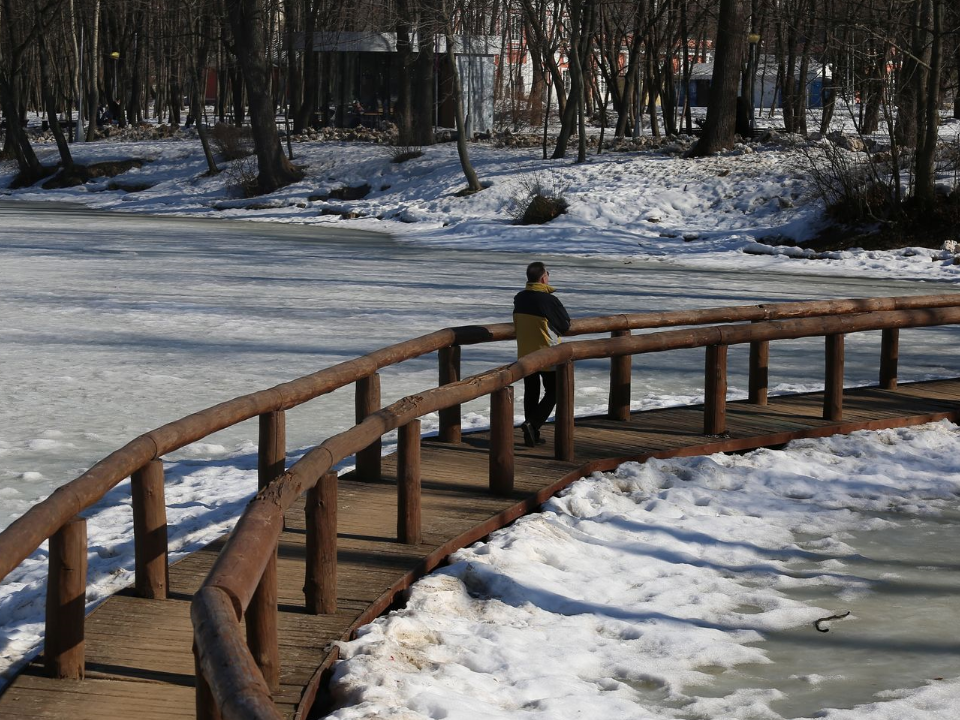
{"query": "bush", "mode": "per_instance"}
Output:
(232, 142)
(241, 177)
(854, 187)
(538, 201)
(402, 153)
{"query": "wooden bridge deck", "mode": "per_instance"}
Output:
(139, 660)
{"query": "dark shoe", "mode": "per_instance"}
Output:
(540, 440)
(529, 434)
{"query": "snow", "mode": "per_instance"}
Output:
(637, 205)
(113, 324)
(633, 588)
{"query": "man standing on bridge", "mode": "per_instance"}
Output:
(539, 319)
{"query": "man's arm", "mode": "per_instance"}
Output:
(557, 316)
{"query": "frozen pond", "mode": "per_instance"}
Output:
(111, 325)
(895, 636)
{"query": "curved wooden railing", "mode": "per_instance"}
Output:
(242, 583)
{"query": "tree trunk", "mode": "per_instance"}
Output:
(405, 89)
(247, 18)
(927, 146)
(50, 103)
(93, 74)
(719, 128)
(473, 182)
(424, 78)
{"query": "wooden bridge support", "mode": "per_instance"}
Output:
(759, 372)
(320, 585)
(63, 642)
(501, 441)
(408, 484)
(715, 391)
(368, 402)
(261, 616)
(833, 378)
(618, 407)
(889, 358)
(449, 359)
(152, 572)
(563, 448)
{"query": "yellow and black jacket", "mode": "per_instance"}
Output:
(539, 318)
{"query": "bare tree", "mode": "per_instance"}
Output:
(719, 128)
(249, 21)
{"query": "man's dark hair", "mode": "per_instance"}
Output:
(535, 271)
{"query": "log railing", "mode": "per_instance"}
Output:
(242, 583)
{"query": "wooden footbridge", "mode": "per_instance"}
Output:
(244, 628)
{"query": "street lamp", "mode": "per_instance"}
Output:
(115, 56)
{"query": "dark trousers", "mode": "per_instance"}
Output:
(537, 410)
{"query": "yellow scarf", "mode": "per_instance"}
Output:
(540, 287)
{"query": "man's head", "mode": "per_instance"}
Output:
(537, 272)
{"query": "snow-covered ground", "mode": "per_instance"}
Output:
(649, 593)
(649, 204)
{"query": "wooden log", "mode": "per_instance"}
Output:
(833, 378)
(234, 679)
(206, 704)
(408, 484)
(368, 402)
(262, 619)
(618, 406)
(563, 447)
(320, 586)
(272, 448)
(261, 616)
(449, 358)
(715, 391)
(889, 358)
(501, 441)
(25, 534)
(759, 372)
(150, 531)
(63, 642)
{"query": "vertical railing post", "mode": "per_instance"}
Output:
(501, 441)
(262, 614)
(408, 483)
(449, 358)
(889, 358)
(205, 704)
(152, 574)
(715, 391)
(320, 586)
(63, 642)
(833, 378)
(563, 448)
(618, 406)
(759, 372)
(368, 402)
(261, 620)
(272, 450)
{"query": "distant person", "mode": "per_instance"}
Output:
(540, 319)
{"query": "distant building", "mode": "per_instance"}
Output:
(766, 91)
(359, 78)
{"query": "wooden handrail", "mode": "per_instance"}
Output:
(237, 573)
(25, 534)
(244, 557)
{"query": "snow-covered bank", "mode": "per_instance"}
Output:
(634, 591)
(638, 205)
